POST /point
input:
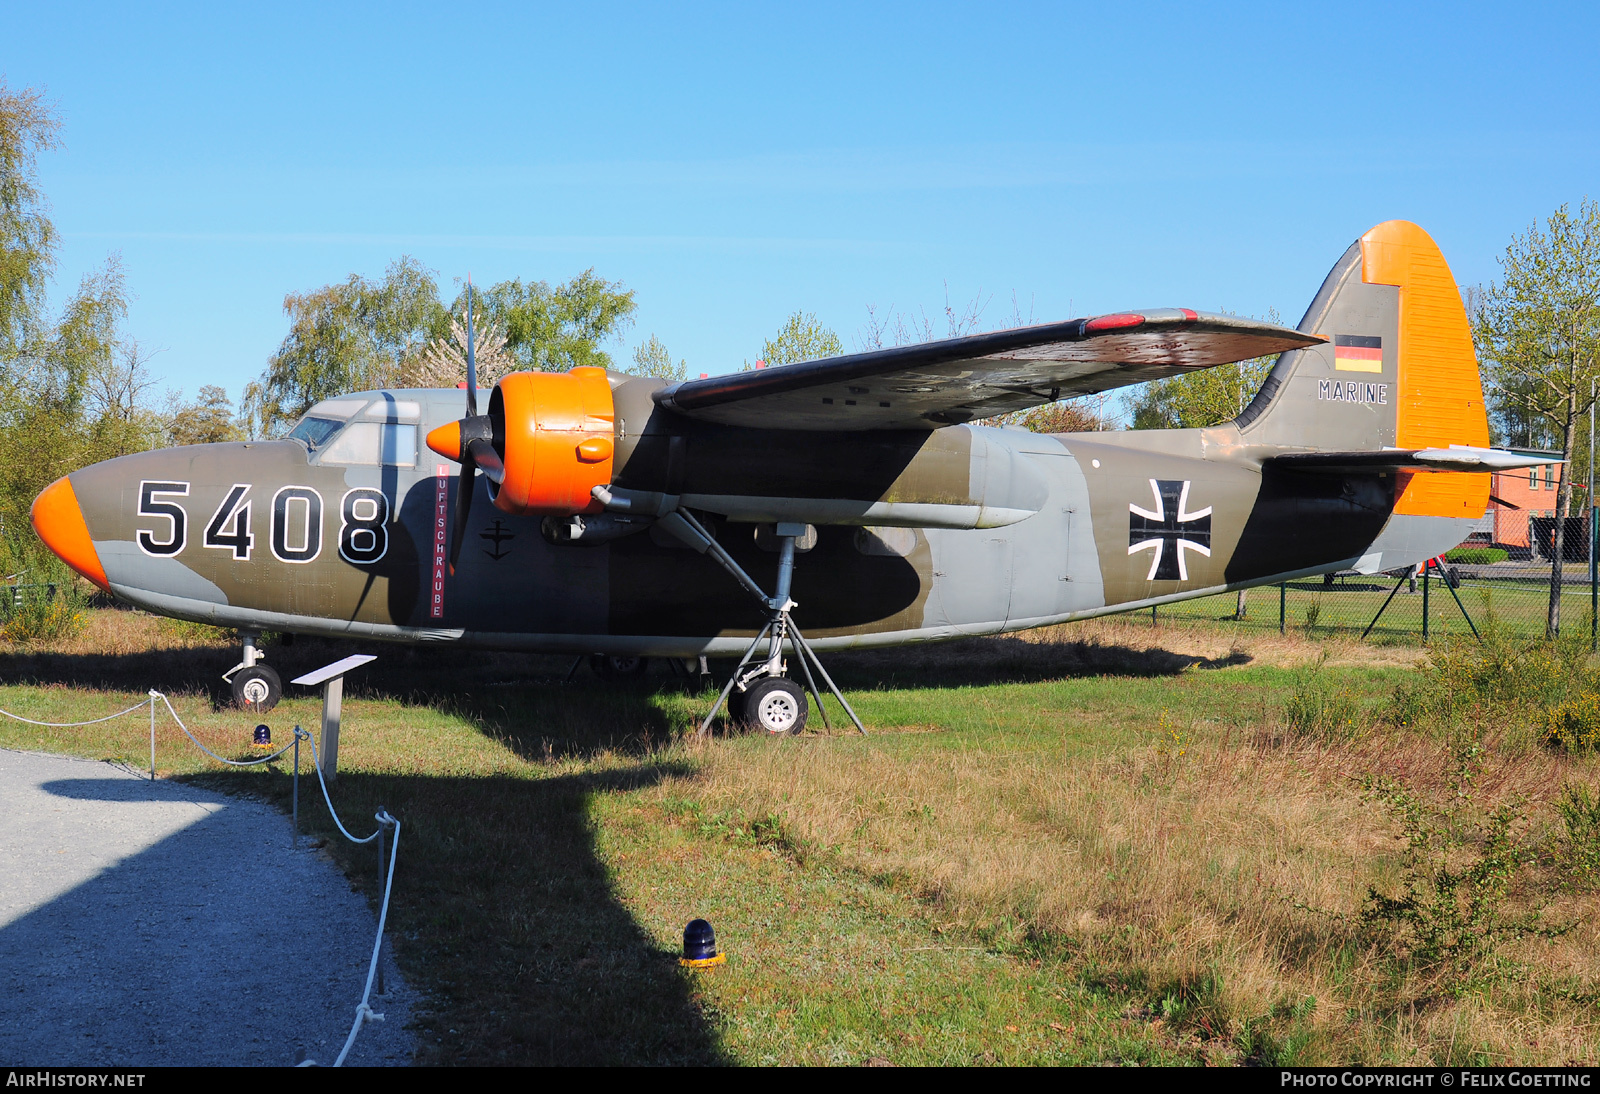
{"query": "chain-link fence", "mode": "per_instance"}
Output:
(1445, 598)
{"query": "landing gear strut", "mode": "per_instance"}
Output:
(767, 698)
(256, 687)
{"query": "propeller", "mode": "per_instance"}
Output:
(473, 445)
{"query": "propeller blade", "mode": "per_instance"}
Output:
(482, 453)
(465, 487)
(472, 361)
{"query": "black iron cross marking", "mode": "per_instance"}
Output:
(1171, 525)
(497, 535)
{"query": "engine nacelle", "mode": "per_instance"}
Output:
(556, 433)
(553, 434)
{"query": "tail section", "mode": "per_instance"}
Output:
(1398, 371)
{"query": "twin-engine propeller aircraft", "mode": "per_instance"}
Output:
(629, 517)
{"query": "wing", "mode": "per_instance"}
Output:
(957, 380)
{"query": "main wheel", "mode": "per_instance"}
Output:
(608, 667)
(775, 705)
(257, 688)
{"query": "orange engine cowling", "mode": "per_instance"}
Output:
(555, 432)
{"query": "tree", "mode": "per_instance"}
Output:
(897, 328)
(652, 359)
(560, 328)
(358, 334)
(28, 126)
(1199, 399)
(1538, 335)
(443, 362)
(348, 336)
(1083, 414)
(72, 390)
(207, 420)
(802, 338)
(1208, 397)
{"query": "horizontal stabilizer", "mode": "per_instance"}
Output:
(981, 375)
(1455, 458)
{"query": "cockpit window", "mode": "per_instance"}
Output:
(313, 431)
(324, 419)
(367, 444)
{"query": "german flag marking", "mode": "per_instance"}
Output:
(1357, 353)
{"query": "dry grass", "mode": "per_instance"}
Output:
(1215, 871)
(1095, 842)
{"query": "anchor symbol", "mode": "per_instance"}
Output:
(497, 535)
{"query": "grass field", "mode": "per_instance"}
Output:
(1094, 844)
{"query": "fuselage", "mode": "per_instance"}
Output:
(918, 536)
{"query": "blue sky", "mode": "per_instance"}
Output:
(734, 163)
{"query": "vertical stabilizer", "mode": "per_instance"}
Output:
(1398, 370)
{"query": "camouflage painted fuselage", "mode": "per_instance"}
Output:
(1220, 525)
(919, 534)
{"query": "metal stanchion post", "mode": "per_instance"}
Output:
(383, 866)
(1283, 603)
(295, 798)
(152, 737)
(1427, 568)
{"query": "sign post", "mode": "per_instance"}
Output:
(331, 677)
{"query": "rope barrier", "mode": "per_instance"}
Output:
(316, 764)
(364, 1011)
(73, 725)
(154, 695)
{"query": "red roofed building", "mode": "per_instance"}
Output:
(1514, 496)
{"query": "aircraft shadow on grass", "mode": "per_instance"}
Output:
(503, 914)
(474, 681)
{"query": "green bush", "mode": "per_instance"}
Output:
(1518, 682)
(1574, 726)
(1476, 556)
(1579, 854)
(1316, 709)
(1462, 869)
(42, 617)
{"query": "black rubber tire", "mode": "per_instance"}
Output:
(775, 706)
(256, 688)
(608, 667)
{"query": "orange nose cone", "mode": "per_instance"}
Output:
(59, 522)
(446, 440)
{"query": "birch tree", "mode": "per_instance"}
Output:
(1538, 337)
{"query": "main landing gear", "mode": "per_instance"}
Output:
(256, 686)
(759, 694)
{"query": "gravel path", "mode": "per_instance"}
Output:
(144, 924)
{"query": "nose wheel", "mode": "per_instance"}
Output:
(256, 688)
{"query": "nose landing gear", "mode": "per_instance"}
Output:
(256, 687)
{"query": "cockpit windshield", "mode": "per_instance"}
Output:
(324, 420)
(313, 431)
